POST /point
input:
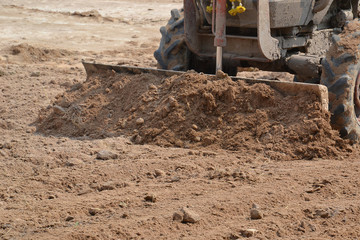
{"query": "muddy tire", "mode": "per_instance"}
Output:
(173, 53)
(340, 73)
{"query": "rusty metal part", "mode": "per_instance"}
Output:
(220, 31)
(286, 88)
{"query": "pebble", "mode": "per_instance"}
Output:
(256, 214)
(94, 211)
(73, 162)
(58, 110)
(84, 191)
(150, 198)
(220, 74)
(325, 213)
(69, 218)
(125, 215)
(248, 232)
(195, 127)
(197, 139)
(140, 121)
(106, 186)
(159, 173)
(152, 87)
(106, 155)
(35, 74)
(172, 102)
(177, 217)
(190, 216)
(122, 204)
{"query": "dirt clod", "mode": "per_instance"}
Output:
(189, 216)
(150, 198)
(248, 232)
(106, 155)
(256, 214)
(94, 211)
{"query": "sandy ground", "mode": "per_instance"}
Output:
(58, 188)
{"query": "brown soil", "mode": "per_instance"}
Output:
(29, 54)
(194, 110)
(95, 182)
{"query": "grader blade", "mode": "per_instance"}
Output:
(285, 88)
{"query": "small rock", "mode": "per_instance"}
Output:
(140, 121)
(35, 74)
(177, 217)
(248, 232)
(69, 218)
(106, 186)
(152, 87)
(122, 204)
(256, 214)
(94, 211)
(195, 127)
(179, 143)
(220, 74)
(172, 102)
(51, 197)
(125, 215)
(73, 162)
(58, 110)
(159, 173)
(150, 198)
(106, 155)
(175, 179)
(190, 216)
(137, 139)
(197, 139)
(324, 213)
(219, 132)
(84, 191)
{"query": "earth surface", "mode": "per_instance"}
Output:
(125, 170)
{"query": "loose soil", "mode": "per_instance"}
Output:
(77, 161)
(195, 110)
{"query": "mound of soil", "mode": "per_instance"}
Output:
(94, 14)
(194, 110)
(30, 54)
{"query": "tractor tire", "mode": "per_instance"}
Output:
(340, 74)
(173, 53)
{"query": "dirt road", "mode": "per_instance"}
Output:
(63, 188)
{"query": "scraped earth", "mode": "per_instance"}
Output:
(119, 156)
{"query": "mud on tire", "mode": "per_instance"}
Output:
(341, 76)
(172, 53)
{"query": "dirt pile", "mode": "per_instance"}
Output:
(95, 15)
(194, 110)
(27, 53)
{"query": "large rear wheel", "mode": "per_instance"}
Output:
(173, 53)
(340, 74)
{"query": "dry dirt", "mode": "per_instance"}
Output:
(77, 161)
